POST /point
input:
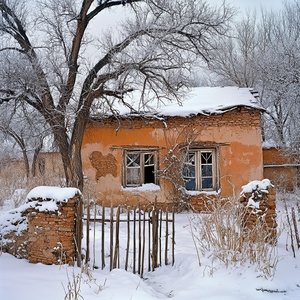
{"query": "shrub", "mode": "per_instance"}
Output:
(222, 236)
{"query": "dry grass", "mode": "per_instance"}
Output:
(14, 186)
(222, 236)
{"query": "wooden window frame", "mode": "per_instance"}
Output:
(140, 165)
(197, 165)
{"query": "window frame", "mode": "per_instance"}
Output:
(142, 159)
(198, 170)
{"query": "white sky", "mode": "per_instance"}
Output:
(109, 18)
(253, 4)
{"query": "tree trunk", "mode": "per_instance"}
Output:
(26, 163)
(35, 157)
(70, 152)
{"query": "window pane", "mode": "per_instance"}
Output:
(206, 158)
(133, 176)
(190, 159)
(190, 185)
(207, 183)
(149, 174)
(189, 171)
(133, 160)
(149, 159)
(206, 170)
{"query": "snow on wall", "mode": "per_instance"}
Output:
(254, 185)
(15, 221)
(58, 194)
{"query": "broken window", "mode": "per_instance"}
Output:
(200, 170)
(140, 168)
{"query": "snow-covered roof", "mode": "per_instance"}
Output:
(200, 100)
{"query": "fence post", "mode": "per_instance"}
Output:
(116, 254)
(128, 238)
(134, 241)
(111, 236)
(173, 237)
(87, 254)
(103, 237)
(78, 229)
(154, 237)
(167, 236)
(140, 242)
(144, 242)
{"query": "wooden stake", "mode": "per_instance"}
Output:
(111, 246)
(128, 238)
(144, 242)
(149, 240)
(134, 241)
(103, 237)
(140, 242)
(87, 256)
(116, 254)
(295, 227)
(173, 237)
(167, 236)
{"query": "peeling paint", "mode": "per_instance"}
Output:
(104, 165)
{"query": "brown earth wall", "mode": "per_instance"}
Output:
(16, 244)
(51, 234)
(265, 214)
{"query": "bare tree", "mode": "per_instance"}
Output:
(263, 53)
(235, 58)
(153, 51)
(23, 126)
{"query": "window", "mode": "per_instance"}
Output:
(140, 168)
(199, 171)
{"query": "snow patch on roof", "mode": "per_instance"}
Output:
(200, 100)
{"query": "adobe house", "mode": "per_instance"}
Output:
(210, 146)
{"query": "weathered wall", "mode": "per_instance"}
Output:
(48, 230)
(281, 168)
(236, 134)
(261, 210)
(51, 234)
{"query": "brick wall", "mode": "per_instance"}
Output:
(51, 233)
(52, 228)
(261, 209)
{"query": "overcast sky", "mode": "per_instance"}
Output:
(253, 4)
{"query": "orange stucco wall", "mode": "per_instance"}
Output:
(236, 135)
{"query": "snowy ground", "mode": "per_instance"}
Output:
(20, 280)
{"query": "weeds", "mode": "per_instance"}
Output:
(221, 235)
(75, 281)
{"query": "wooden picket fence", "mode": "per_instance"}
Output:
(147, 235)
